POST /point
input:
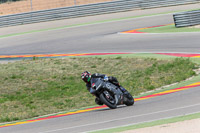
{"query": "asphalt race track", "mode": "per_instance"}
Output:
(106, 37)
(175, 104)
(102, 37)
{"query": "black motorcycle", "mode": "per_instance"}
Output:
(110, 94)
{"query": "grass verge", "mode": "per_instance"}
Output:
(32, 88)
(169, 29)
(150, 124)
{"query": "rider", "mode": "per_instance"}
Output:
(86, 77)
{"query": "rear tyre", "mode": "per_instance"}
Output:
(106, 101)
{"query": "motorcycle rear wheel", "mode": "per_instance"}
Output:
(106, 102)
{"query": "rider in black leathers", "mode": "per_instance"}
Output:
(86, 77)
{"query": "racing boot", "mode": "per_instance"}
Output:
(126, 93)
(122, 89)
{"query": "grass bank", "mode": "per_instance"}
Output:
(31, 88)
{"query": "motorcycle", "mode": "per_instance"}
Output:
(110, 94)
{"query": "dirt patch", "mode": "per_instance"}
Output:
(189, 126)
(25, 6)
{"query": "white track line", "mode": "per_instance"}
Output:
(122, 118)
(140, 122)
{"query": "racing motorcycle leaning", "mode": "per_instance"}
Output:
(110, 94)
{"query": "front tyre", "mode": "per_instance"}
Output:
(106, 101)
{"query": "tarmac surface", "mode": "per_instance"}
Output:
(106, 37)
(166, 106)
(101, 37)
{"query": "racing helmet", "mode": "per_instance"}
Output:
(86, 76)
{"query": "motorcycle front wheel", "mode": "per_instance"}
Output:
(106, 101)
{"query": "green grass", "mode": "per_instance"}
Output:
(32, 88)
(170, 29)
(150, 124)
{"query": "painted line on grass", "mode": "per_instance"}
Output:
(100, 107)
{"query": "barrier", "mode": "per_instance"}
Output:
(86, 10)
(187, 18)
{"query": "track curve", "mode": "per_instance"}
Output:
(105, 37)
(166, 106)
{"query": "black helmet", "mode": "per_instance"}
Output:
(86, 76)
